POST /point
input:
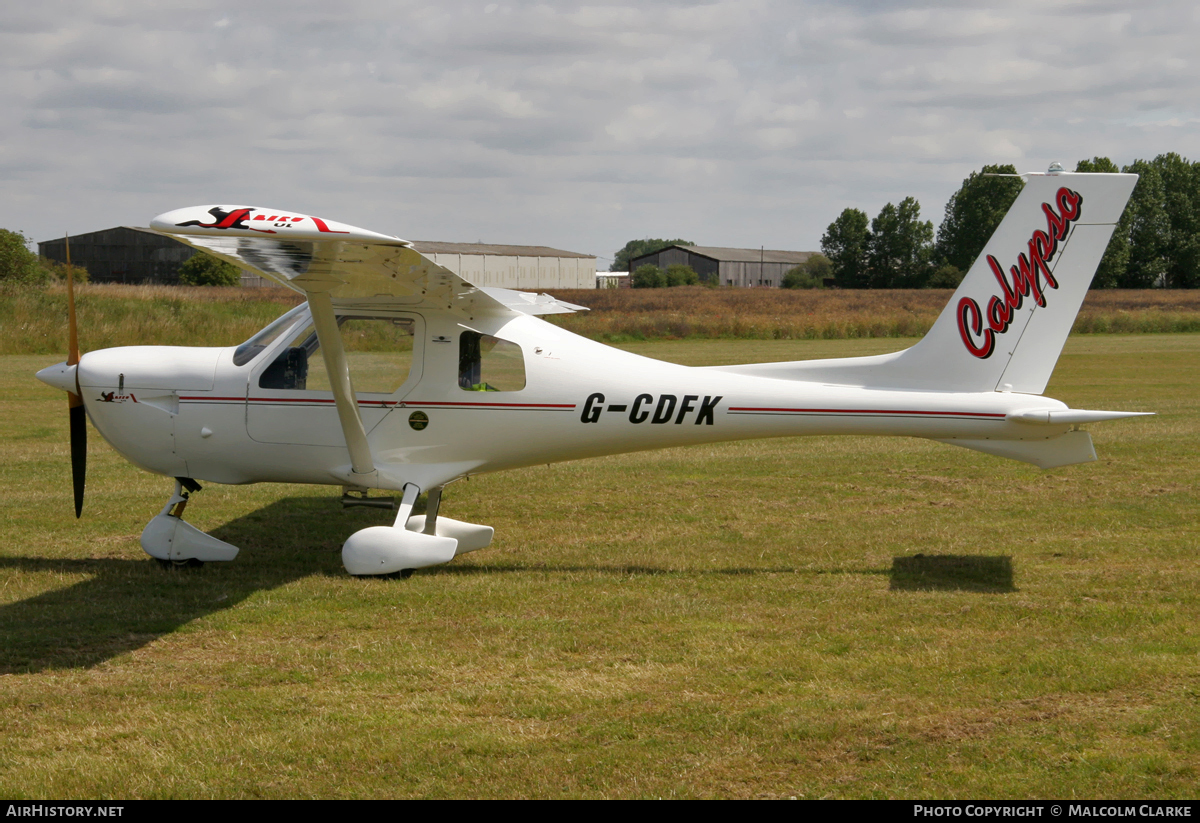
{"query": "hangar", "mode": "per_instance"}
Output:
(122, 254)
(131, 254)
(513, 267)
(726, 266)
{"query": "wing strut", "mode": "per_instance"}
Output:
(339, 379)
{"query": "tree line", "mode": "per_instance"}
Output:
(1156, 242)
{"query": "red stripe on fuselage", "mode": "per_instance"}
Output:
(749, 409)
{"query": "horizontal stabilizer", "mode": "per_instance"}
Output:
(530, 303)
(1064, 450)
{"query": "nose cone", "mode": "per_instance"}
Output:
(60, 376)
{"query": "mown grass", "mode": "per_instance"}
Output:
(111, 314)
(738, 620)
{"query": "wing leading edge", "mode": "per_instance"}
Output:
(316, 256)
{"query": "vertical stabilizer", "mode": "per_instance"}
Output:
(1006, 324)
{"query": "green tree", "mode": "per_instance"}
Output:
(1149, 228)
(678, 274)
(648, 277)
(810, 274)
(900, 247)
(1116, 257)
(1181, 186)
(17, 263)
(205, 270)
(845, 245)
(636, 248)
(973, 213)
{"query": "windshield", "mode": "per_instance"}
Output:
(250, 349)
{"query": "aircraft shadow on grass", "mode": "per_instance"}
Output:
(952, 572)
(125, 604)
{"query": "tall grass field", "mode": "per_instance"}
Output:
(112, 314)
(819, 617)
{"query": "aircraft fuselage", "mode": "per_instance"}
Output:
(191, 412)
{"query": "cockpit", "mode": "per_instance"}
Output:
(382, 351)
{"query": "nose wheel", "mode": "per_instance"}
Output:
(176, 544)
(173, 565)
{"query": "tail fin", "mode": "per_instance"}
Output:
(1005, 326)
(1007, 323)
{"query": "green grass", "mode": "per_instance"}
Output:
(737, 620)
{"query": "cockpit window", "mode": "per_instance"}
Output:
(487, 363)
(249, 350)
(379, 352)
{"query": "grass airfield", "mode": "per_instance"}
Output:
(850, 617)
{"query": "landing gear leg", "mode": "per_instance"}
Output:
(432, 503)
(170, 540)
(470, 536)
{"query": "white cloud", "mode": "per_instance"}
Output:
(575, 125)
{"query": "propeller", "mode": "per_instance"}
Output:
(75, 408)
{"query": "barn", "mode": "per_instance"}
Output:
(129, 254)
(513, 267)
(122, 254)
(726, 266)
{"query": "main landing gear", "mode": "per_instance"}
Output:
(414, 541)
(176, 544)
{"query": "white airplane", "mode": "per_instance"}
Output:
(424, 378)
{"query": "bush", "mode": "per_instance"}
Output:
(678, 274)
(205, 270)
(946, 277)
(54, 270)
(648, 277)
(810, 274)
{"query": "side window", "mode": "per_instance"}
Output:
(487, 363)
(379, 351)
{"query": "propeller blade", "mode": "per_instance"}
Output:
(75, 399)
(78, 448)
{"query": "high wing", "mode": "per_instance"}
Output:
(351, 265)
(330, 262)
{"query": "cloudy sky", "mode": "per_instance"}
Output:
(580, 126)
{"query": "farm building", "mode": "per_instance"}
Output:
(513, 267)
(128, 254)
(728, 267)
(123, 254)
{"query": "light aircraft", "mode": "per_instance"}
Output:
(398, 374)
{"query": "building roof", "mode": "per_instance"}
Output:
(729, 255)
(433, 247)
(84, 238)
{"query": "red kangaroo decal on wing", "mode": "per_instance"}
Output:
(222, 219)
(1031, 266)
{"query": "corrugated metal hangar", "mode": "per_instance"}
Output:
(129, 254)
(123, 254)
(728, 267)
(513, 267)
